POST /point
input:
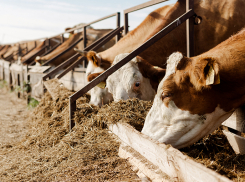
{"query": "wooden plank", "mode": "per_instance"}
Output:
(144, 168)
(236, 120)
(237, 142)
(170, 160)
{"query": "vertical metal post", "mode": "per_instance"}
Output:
(190, 30)
(26, 47)
(125, 23)
(10, 79)
(62, 38)
(84, 37)
(19, 50)
(35, 44)
(46, 45)
(118, 25)
(72, 109)
(2, 71)
(18, 85)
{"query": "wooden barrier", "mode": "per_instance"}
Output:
(169, 160)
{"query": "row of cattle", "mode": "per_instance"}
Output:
(192, 96)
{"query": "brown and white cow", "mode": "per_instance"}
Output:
(220, 19)
(197, 94)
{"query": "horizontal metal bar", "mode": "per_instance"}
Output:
(78, 27)
(69, 48)
(134, 53)
(143, 5)
(95, 46)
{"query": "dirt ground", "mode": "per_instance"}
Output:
(13, 117)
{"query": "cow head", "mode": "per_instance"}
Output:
(134, 80)
(187, 105)
(99, 94)
(94, 61)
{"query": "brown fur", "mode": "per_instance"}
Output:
(228, 60)
(93, 76)
(149, 71)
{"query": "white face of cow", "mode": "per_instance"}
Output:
(127, 82)
(171, 125)
(99, 96)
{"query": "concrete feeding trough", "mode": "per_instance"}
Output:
(75, 79)
(19, 77)
(5, 72)
(159, 162)
(36, 74)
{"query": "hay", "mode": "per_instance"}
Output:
(215, 152)
(89, 153)
(50, 153)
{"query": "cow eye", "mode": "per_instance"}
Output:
(165, 95)
(137, 84)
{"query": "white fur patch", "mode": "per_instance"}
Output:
(172, 62)
(122, 82)
(171, 125)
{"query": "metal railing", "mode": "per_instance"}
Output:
(188, 15)
(97, 44)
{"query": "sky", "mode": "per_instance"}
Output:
(23, 20)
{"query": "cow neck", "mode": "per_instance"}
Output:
(169, 43)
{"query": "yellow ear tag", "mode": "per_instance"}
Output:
(102, 85)
(217, 80)
(156, 67)
(210, 76)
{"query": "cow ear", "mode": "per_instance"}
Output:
(91, 56)
(206, 73)
(93, 76)
(154, 73)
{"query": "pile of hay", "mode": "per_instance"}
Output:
(50, 153)
(215, 152)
